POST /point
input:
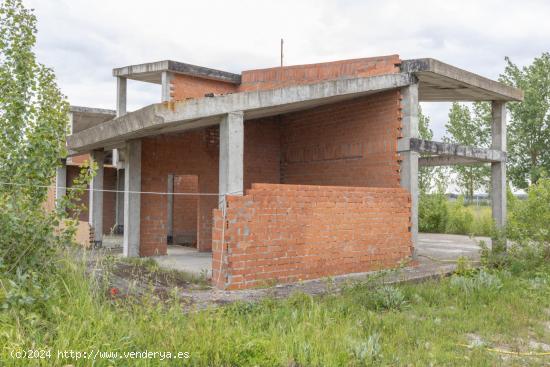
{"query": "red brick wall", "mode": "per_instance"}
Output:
(185, 86)
(262, 151)
(196, 153)
(350, 143)
(313, 73)
(185, 214)
(183, 154)
(287, 233)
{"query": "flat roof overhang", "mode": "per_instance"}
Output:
(170, 117)
(151, 72)
(440, 82)
(84, 118)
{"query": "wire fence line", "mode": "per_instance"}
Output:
(123, 191)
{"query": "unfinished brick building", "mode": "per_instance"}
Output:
(300, 172)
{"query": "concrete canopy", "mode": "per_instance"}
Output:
(446, 83)
(151, 72)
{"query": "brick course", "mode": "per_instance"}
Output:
(286, 233)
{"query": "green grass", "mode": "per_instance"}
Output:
(408, 325)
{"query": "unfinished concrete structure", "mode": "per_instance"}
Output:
(299, 172)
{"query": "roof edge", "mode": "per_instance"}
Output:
(134, 71)
(429, 65)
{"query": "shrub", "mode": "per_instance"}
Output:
(390, 298)
(432, 213)
(460, 218)
(529, 222)
(476, 282)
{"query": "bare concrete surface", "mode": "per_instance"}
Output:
(186, 259)
(435, 257)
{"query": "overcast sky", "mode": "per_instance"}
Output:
(84, 40)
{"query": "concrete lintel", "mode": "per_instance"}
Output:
(231, 155)
(189, 114)
(95, 208)
(443, 82)
(453, 150)
(132, 199)
(152, 72)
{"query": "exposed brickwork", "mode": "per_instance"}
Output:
(181, 154)
(186, 207)
(196, 153)
(350, 143)
(262, 151)
(185, 86)
(287, 233)
(313, 73)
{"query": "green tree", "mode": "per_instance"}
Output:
(529, 128)
(33, 121)
(470, 127)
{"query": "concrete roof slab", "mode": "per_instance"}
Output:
(443, 82)
(190, 114)
(151, 72)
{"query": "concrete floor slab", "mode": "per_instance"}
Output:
(186, 259)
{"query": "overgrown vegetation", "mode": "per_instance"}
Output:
(439, 215)
(367, 324)
(33, 121)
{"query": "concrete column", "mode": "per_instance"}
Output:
(121, 102)
(170, 208)
(119, 204)
(231, 155)
(121, 98)
(95, 208)
(132, 199)
(409, 159)
(498, 170)
(61, 181)
(166, 89)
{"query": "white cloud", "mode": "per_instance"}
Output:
(84, 40)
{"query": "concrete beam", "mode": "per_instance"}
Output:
(498, 169)
(231, 155)
(452, 150)
(409, 158)
(446, 161)
(61, 181)
(95, 207)
(132, 199)
(443, 82)
(200, 112)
